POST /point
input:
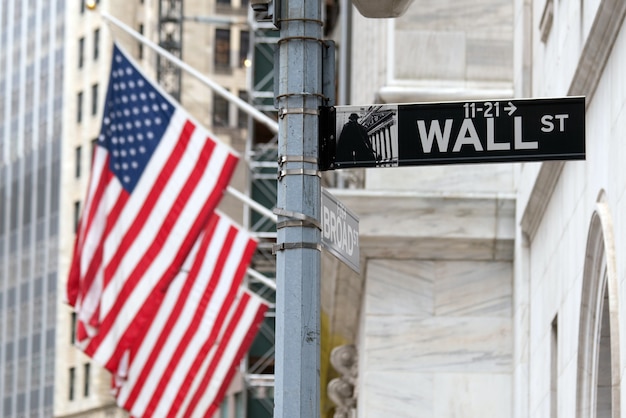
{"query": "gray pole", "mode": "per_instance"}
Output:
(297, 385)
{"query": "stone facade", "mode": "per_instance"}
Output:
(491, 290)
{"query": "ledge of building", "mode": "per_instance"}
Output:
(433, 226)
(440, 91)
(403, 225)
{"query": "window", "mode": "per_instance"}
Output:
(82, 6)
(81, 52)
(73, 328)
(96, 44)
(94, 144)
(244, 46)
(242, 119)
(599, 362)
(76, 215)
(79, 107)
(222, 49)
(140, 45)
(220, 111)
(94, 99)
(78, 155)
(72, 381)
(87, 377)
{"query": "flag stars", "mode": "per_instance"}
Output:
(136, 118)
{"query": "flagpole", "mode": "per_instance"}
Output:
(243, 105)
(246, 107)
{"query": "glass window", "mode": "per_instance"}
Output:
(94, 99)
(76, 215)
(81, 52)
(87, 377)
(79, 107)
(140, 45)
(242, 119)
(94, 144)
(73, 328)
(244, 46)
(220, 111)
(222, 48)
(72, 381)
(96, 44)
(78, 156)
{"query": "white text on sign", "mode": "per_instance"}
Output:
(466, 134)
(337, 230)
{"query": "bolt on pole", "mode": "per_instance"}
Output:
(298, 258)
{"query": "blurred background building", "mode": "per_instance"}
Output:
(54, 65)
(485, 290)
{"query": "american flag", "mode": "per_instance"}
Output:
(156, 178)
(186, 357)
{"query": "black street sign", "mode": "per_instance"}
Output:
(452, 133)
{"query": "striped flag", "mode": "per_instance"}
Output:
(155, 181)
(185, 360)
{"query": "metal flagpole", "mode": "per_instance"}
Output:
(298, 259)
(245, 106)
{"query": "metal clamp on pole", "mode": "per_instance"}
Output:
(296, 219)
(299, 172)
(295, 245)
(297, 111)
(296, 159)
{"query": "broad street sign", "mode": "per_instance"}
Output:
(340, 231)
(452, 133)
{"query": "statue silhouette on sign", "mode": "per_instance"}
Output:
(354, 148)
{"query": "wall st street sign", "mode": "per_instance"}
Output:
(340, 231)
(452, 133)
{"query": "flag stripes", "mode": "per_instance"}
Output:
(191, 320)
(156, 275)
(217, 371)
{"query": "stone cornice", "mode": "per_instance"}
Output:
(433, 226)
(598, 46)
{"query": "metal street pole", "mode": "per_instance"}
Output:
(297, 372)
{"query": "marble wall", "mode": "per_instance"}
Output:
(436, 339)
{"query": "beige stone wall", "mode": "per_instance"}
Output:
(197, 99)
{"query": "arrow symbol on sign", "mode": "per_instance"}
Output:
(510, 108)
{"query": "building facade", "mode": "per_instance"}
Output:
(54, 69)
(31, 89)
(496, 289)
